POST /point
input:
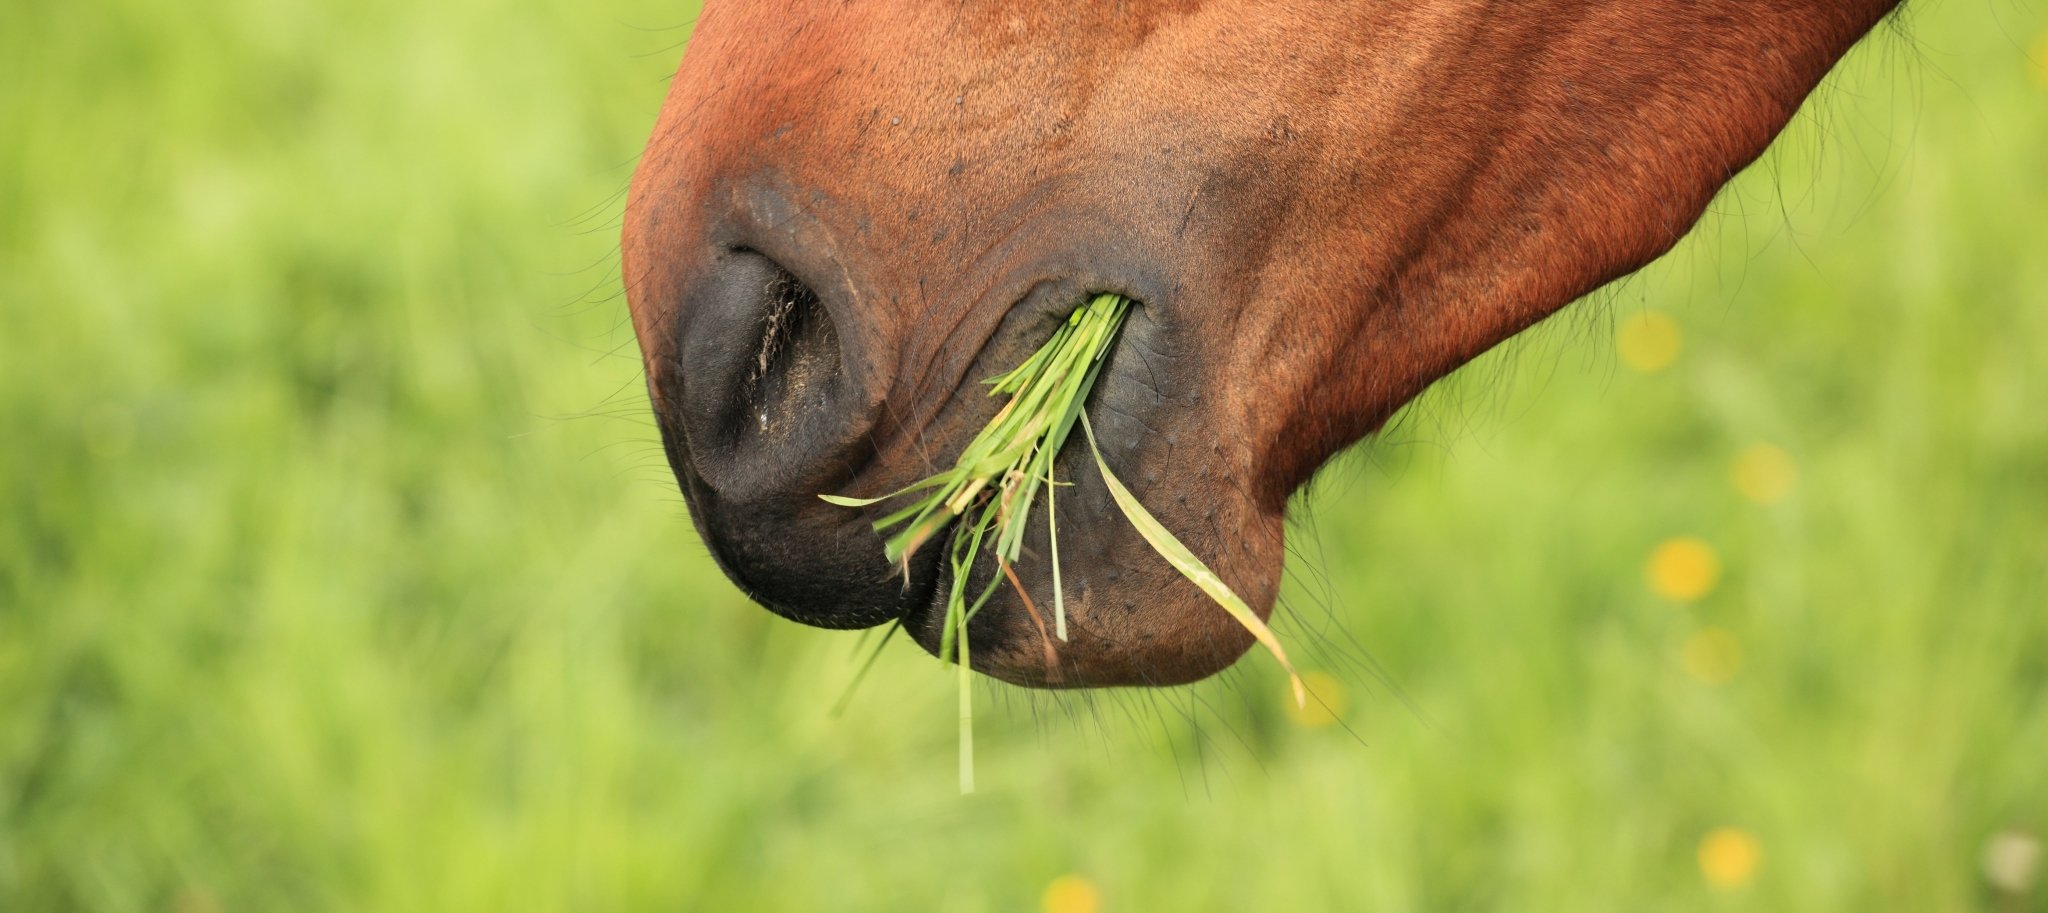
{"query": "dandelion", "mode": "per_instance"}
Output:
(1729, 858)
(1683, 569)
(1070, 894)
(1648, 342)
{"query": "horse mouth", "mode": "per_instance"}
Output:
(997, 631)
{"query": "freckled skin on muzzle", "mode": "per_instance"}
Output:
(849, 216)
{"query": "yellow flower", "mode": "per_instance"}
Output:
(1326, 701)
(1071, 894)
(1712, 655)
(1683, 569)
(1648, 342)
(1765, 473)
(1729, 858)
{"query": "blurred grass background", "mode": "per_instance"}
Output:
(339, 568)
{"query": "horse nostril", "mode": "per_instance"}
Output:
(795, 359)
(762, 407)
(759, 388)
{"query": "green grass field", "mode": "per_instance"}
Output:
(340, 569)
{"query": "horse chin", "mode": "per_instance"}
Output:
(1006, 643)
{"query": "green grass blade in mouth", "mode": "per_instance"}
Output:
(988, 492)
(1169, 547)
(966, 716)
(1052, 537)
(1015, 450)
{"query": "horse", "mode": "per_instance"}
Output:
(849, 215)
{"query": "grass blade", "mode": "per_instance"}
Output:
(1052, 534)
(844, 501)
(846, 697)
(1169, 547)
(966, 716)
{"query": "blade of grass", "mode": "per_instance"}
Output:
(846, 697)
(1052, 534)
(844, 501)
(1163, 541)
(1052, 660)
(966, 716)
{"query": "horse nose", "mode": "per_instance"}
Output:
(760, 413)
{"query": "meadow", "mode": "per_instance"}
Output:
(340, 569)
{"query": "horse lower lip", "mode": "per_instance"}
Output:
(927, 613)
